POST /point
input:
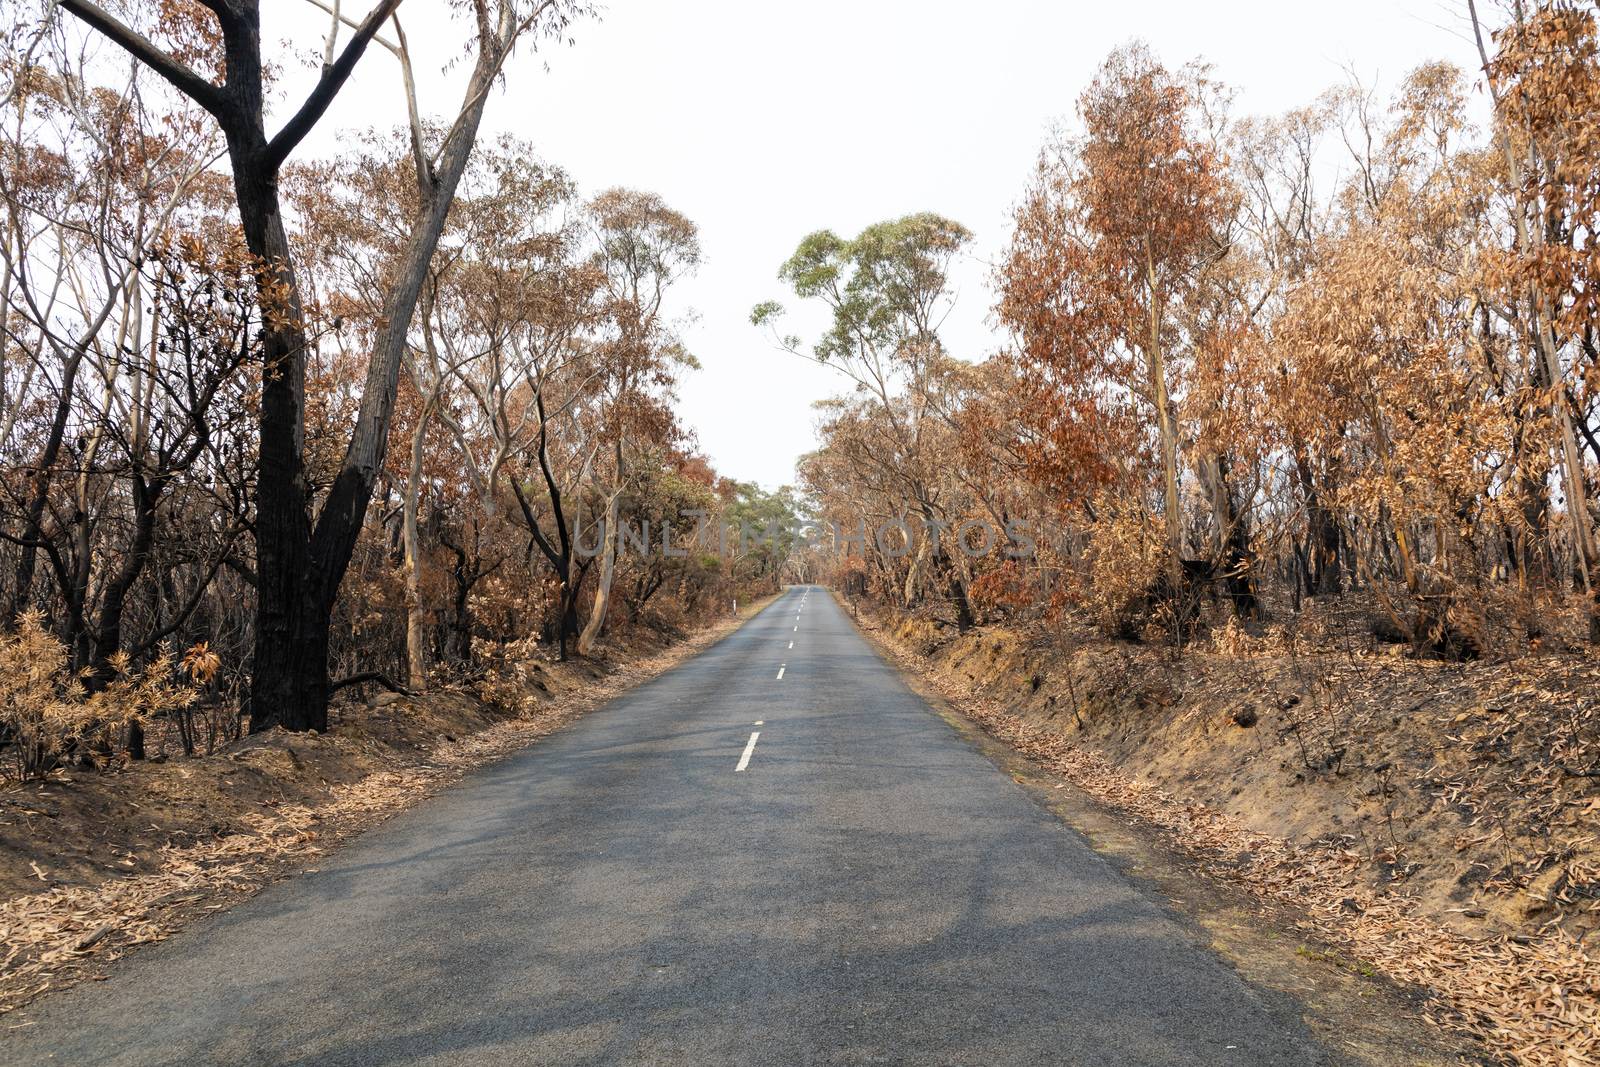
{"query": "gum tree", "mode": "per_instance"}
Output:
(303, 546)
(887, 291)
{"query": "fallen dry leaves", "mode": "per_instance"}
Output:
(1532, 1000)
(59, 937)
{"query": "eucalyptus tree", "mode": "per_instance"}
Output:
(1112, 244)
(304, 545)
(887, 291)
(643, 248)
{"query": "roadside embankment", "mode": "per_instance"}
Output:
(1430, 819)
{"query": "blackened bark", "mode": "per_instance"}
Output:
(1235, 561)
(1325, 574)
(33, 527)
(107, 637)
(464, 574)
(299, 568)
(559, 552)
(289, 682)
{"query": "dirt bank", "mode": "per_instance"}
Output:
(1433, 819)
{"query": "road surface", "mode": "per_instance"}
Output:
(774, 854)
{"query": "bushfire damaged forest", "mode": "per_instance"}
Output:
(335, 466)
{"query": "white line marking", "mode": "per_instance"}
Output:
(744, 760)
(759, 722)
(791, 644)
(797, 627)
(780, 672)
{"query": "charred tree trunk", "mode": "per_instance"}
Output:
(465, 573)
(1236, 562)
(107, 639)
(33, 525)
(1324, 573)
(300, 567)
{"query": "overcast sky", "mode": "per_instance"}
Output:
(763, 121)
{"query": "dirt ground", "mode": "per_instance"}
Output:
(1475, 786)
(1437, 818)
(94, 863)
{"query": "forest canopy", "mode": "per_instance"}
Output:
(275, 424)
(1343, 353)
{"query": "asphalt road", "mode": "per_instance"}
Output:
(867, 889)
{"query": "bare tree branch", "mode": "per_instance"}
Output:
(333, 79)
(181, 77)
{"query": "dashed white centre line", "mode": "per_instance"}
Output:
(780, 672)
(791, 644)
(744, 760)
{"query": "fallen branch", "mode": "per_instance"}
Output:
(372, 676)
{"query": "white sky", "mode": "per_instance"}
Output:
(763, 121)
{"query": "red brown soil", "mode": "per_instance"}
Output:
(1432, 818)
